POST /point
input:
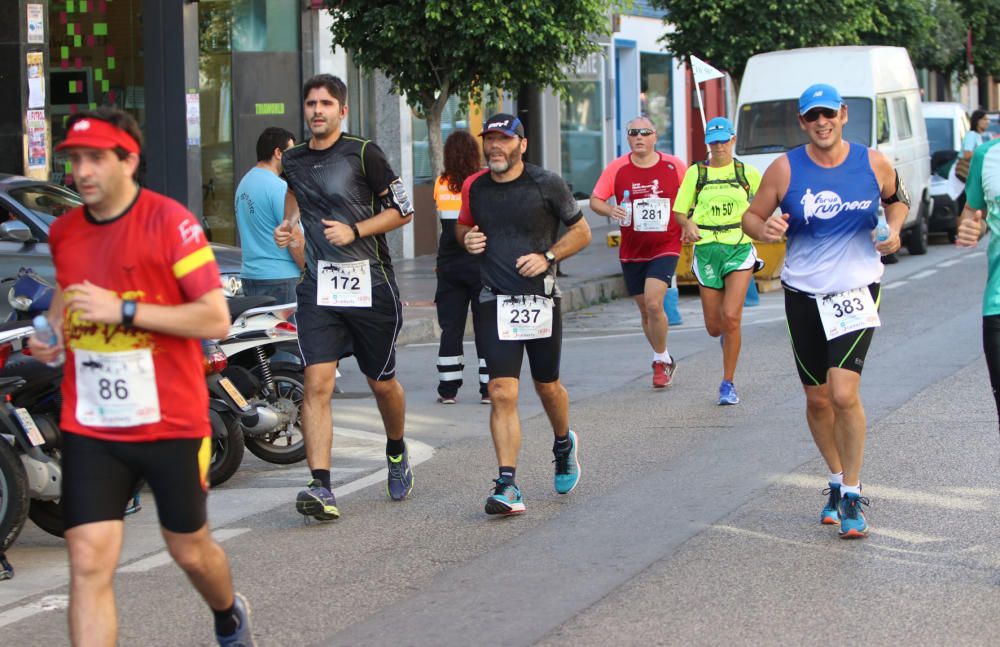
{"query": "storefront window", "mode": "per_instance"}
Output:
(452, 118)
(95, 55)
(229, 27)
(655, 95)
(581, 136)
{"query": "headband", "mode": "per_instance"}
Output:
(97, 133)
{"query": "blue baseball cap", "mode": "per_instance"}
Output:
(820, 95)
(719, 129)
(503, 123)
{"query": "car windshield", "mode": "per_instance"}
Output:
(48, 202)
(939, 134)
(773, 127)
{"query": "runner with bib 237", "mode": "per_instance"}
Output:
(829, 193)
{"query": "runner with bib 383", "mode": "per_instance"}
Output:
(829, 192)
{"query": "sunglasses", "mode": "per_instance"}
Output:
(645, 132)
(814, 114)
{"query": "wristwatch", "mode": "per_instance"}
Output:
(550, 257)
(128, 312)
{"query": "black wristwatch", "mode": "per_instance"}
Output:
(128, 312)
(354, 228)
(550, 257)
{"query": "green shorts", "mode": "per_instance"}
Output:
(713, 261)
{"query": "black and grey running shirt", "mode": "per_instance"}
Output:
(340, 183)
(518, 217)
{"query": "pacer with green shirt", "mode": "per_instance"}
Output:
(982, 193)
(715, 195)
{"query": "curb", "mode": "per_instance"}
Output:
(419, 330)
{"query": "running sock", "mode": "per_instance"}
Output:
(394, 447)
(507, 473)
(836, 479)
(663, 357)
(323, 476)
(562, 444)
(850, 489)
(226, 622)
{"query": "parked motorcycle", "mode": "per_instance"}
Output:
(226, 408)
(265, 364)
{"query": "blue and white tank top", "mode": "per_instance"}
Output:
(832, 212)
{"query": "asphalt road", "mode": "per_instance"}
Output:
(693, 524)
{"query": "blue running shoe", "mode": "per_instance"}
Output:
(242, 637)
(853, 524)
(567, 467)
(400, 482)
(506, 499)
(727, 393)
(317, 502)
(831, 514)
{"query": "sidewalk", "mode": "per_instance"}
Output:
(592, 274)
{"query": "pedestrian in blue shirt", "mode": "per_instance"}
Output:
(268, 270)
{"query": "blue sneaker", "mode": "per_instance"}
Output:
(567, 467)
(400, 482)
(853, 524)
(317, 502)
(506, 499)
(831, 514)
(727, 393)
(242, 637)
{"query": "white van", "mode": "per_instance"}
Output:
(884, 112)
(947, 124)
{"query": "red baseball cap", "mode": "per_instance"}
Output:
(97, 133)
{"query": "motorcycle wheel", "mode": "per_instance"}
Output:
(227, 447)
(48, 515)
(13, 496)
(283, 446)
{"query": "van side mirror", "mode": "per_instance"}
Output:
(15, 231)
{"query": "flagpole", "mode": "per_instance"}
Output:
(701, 108)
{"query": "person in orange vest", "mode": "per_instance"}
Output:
(458, 282)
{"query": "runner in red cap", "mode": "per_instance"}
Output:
(135, 405)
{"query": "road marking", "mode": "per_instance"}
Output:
(47, 603)
(922, 275)
(973, 255)
(954, 261)
(894, 285)
(163, 558)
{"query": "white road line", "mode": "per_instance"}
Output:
(973, 255)
(954, 261)
(162, 558)
(894, 285)
(48, 603)
(923, 275)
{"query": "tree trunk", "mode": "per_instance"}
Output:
(435, 143)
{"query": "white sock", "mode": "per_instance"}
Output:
(850, 489)
(837, 479)
(663, 357)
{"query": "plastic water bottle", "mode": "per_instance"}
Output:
(882, 228)
(46, 335)
(627, 206)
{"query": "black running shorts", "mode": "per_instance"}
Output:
(100, 476)
(329, 334)
(504, 357)
(814, 354)
(636, 273)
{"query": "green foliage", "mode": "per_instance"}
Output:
(434, 48)
(983, 17)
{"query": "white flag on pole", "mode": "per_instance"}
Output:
(703, 71)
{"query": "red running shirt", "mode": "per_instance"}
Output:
(663, 179)
(155, 252)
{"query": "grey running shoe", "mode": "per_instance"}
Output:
(243, 636)
(400, 482)
(317, 502)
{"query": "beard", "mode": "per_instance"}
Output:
(504, 165)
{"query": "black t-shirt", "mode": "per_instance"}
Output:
(518, 217)
(340, 183)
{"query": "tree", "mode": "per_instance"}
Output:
(728, 32)
(932, 30)
(981, 17)
(431, 50)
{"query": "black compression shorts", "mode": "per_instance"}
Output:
(100, 476)
(504, 357)
(814, 354)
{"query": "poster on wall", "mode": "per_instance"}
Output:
(36, 80)
(36, 23)
(37, 140)
(193, 119)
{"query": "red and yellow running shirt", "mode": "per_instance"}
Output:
(155, 252)
(658, 181)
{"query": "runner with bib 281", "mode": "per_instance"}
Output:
(829, 193)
